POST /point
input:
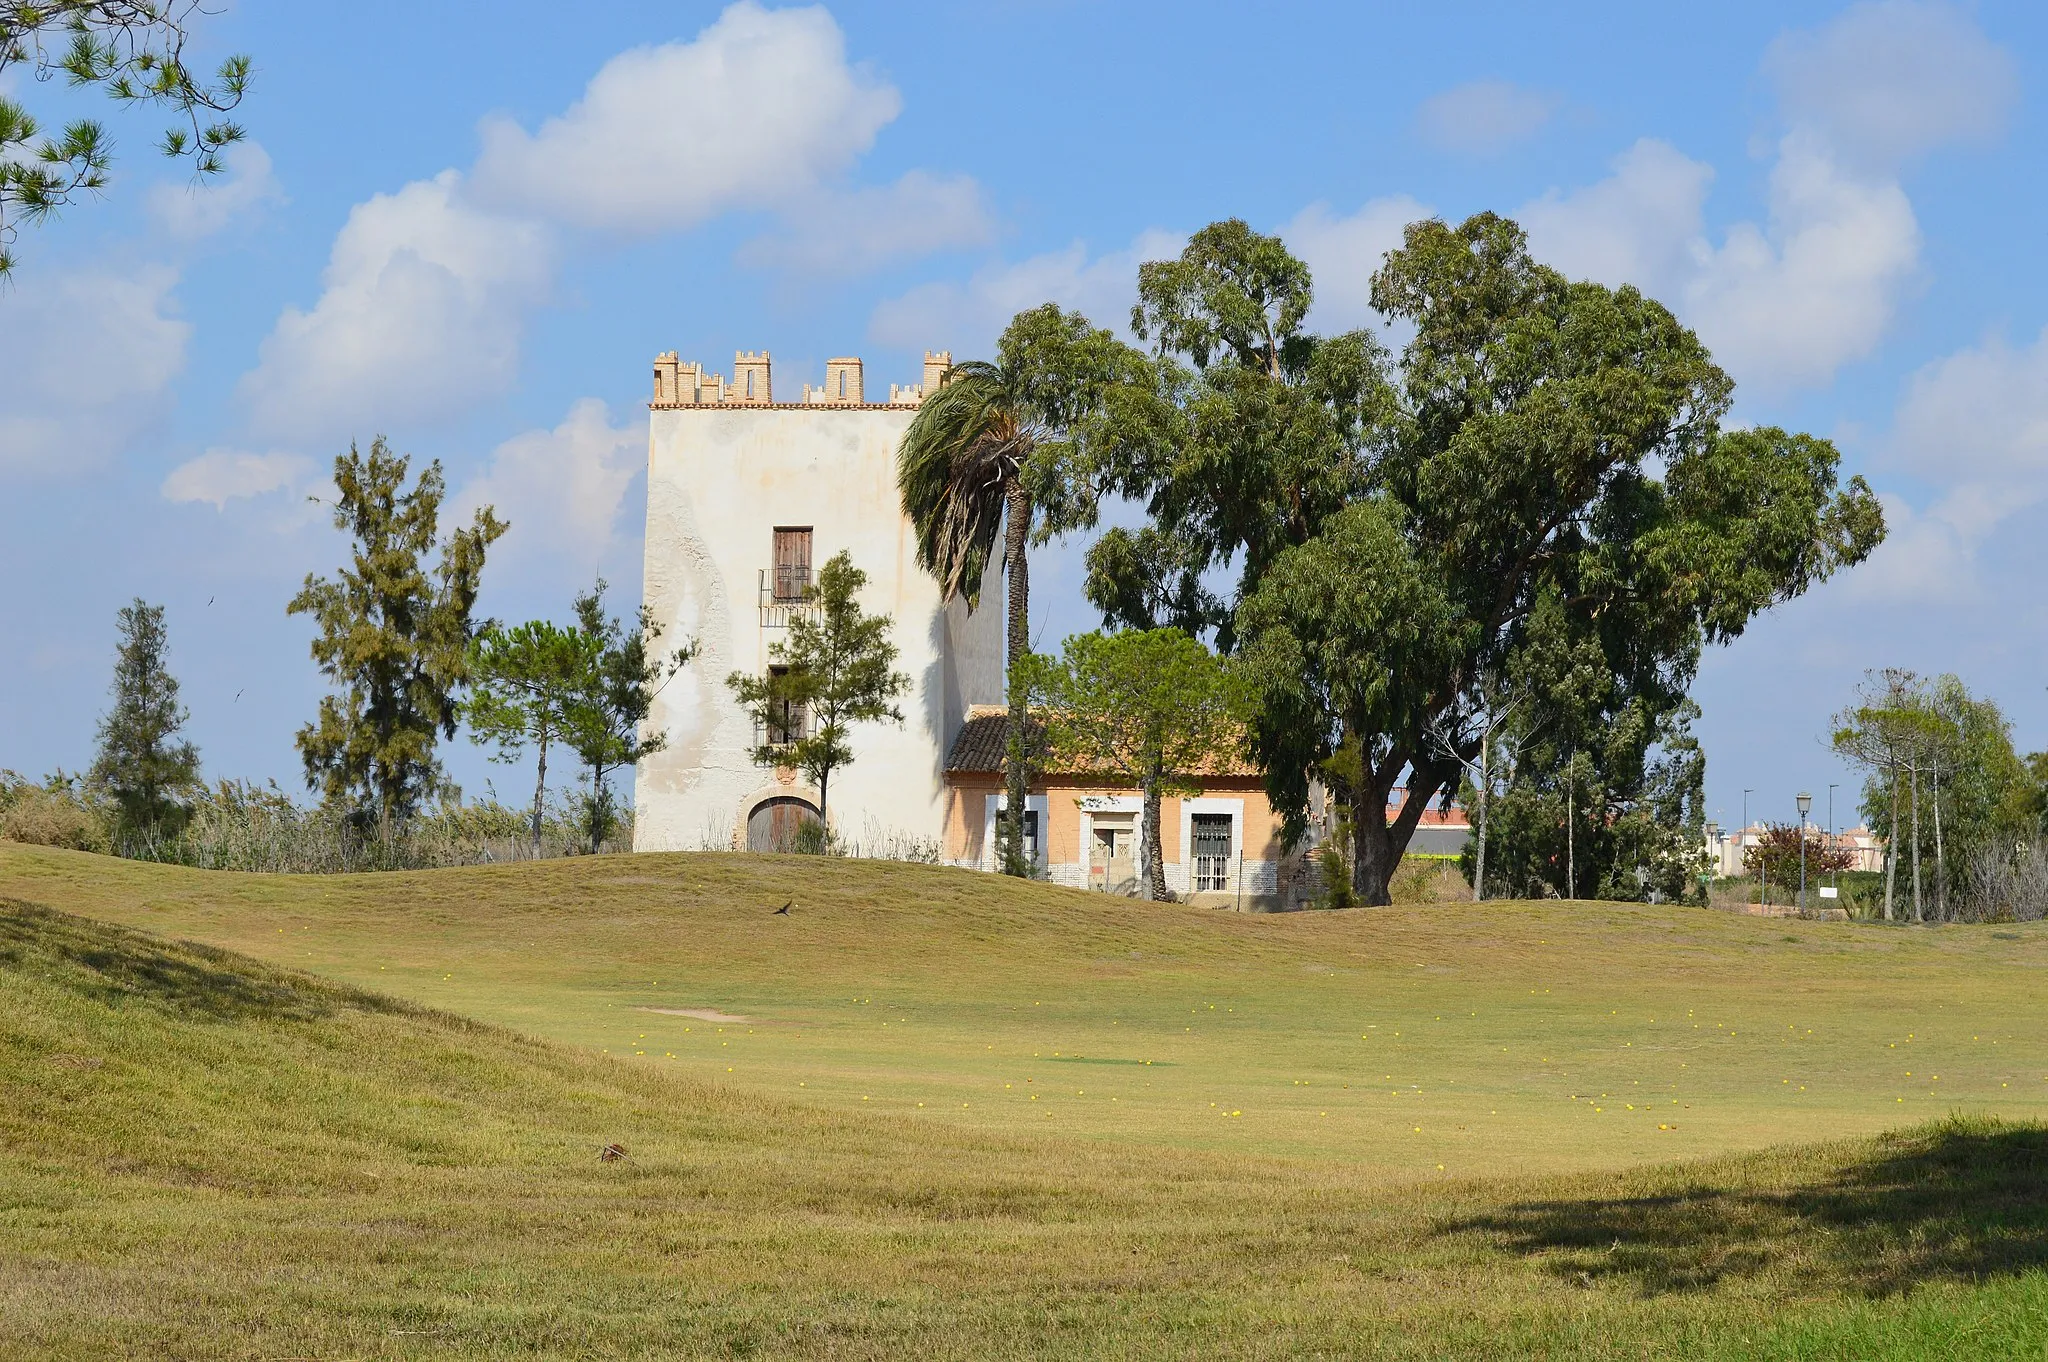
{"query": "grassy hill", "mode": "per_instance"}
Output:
(205, 1156)
(1424, 1043)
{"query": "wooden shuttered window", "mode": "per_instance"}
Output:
(792, 562)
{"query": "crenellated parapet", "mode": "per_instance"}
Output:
(678, 383)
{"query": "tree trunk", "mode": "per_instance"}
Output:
(1152, 876)
(1571, 847)
(1891, 852)
(1373, 857)
(1918, 915)
(1940, 862)
(540, 788)
(1017, 525)
(1485, 785)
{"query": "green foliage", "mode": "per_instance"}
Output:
(523, 682)
(615, 679)
(1538, 495)
(1778, 854)
(1943, 781)
(1150, 708)
(995, 454)
(142, 766)
(133, 51)
(394, 636)
(838, 671)
(62, 811)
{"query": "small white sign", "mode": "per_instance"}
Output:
(1827, 891)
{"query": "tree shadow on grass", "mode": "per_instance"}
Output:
(1962, 1200)
(116, 966)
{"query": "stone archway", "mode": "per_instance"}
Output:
(774, 823)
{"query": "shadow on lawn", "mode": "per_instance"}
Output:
(1965, 1199)
(114, 965)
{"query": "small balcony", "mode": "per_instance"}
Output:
(792, 726)
(785, 591)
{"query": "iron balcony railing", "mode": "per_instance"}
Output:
(792, 728)
(785, 591)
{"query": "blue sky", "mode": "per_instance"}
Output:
(473, 238)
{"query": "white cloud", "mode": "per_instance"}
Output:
(847, 232)
(421, 315)
(86, 362)
(222, 475)
(1976, 424)
(189, 210)
(1891, 80)
(560, 490)
(1483, 117)
(755, 111)
(1642, 225)
(1783, 305)
(967, 318)
(1344, 253)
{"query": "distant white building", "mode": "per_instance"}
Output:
(1725, 848)
(746, 498)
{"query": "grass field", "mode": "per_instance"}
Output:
(206, 1155)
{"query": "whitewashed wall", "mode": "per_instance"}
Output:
(719, 480)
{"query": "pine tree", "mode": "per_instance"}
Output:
(142, 765)
(394, 636)
(610, 700)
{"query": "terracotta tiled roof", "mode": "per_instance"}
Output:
(984, 738)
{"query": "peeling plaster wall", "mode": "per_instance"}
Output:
(719, 480)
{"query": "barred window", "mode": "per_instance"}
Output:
(1212, 852)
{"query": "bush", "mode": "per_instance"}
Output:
(54, 814)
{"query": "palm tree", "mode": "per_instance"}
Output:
(960, 471)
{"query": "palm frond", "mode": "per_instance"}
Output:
(958, 460)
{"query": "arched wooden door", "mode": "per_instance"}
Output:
(773, 824)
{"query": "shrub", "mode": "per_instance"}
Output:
(53, 814)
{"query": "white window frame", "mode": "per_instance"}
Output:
(1188, 809)
(1091, 805)
(1033, 803)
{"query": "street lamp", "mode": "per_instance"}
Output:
(1714, 850)
(1743, 832)
(1805, 804)
(1835, 875)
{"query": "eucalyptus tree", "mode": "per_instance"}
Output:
(134, 52)
(987, 465)
(1537, 489)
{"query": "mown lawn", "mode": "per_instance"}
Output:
(1431, 1042)
(205, 1156)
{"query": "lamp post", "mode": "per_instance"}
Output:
(1743, 832)
(1835, 875)
(1805, 804)
(1714, 850)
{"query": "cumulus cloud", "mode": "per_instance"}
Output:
(848, 232)
(1892, 80)
(423, 304)
(1976, 424)
(1783, 304)
(1787, 302)
(86, 362)
(222, 475)
(753, 112)
(967, 317)
(190, 210)
(561, 490)
(1483, 117)
(1344, 253)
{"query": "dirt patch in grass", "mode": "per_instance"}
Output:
(710, 1014)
